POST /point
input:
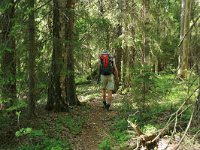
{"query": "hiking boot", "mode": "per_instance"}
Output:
(107, 107)
(104, 104)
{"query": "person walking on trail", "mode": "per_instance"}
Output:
(107, 68)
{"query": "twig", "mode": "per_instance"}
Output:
(136, 128)
(186, 130)
(188, 31)
(178, 111)
(195, 135)
(175, 125)
(42, 5)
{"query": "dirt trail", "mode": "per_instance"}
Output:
(97, 127)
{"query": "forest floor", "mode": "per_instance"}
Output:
(87, 127)
(99, 120)
(97, 127)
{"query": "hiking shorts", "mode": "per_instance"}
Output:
(107, 82)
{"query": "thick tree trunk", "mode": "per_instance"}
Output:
(31, 60)
(69, 33)
(8, 62)
(185, 25)
(55, 99)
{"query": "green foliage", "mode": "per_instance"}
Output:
(144, 86)
(157, 116)
(186, 115)
(18, 105)
(73, 123)
(149, 129)
(118, 130)
(37, 133)
(105, 144)
(39, 140)
(120, 137)
(82, 80)
(47, 144)
(120, 125)
(23, 131)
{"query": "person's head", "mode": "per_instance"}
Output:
(105, 51)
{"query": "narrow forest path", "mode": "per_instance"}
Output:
(99, 120)
(97, 127)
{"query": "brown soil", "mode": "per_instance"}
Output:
(97, 127)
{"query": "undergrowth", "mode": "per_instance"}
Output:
(165, 95)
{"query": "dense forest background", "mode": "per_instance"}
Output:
(49, 52)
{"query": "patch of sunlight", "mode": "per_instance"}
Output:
(89, 89)
(149, 129)
(118, 104)
(86, 98)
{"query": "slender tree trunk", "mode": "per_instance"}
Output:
(131, 62)
(31, 59)
(185, 25)
(8, 62)
(125, 67)
(181, 37)
(196, 119)
(69, 36)
(145, 49)
(107, 38)
(118, 57)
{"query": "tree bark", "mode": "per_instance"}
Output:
(8, 62)
(144, 36)
(181, 36)
(196, 119)
(69, 37)
(31, 60)
(185, 25)
(118, 55)
(55, 100)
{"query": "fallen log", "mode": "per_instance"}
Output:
(148, 141)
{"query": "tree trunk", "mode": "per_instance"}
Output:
(185, 25)
(118, 55)
(31, 59)
(144, 36)
(181, 33)
(125, 67)
(69, 37)
(8, 62)
(196, 119)
(55, 100)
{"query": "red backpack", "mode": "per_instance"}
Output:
(106, 65)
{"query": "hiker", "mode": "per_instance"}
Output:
(107, 68)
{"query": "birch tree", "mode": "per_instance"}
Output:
(185, 36)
